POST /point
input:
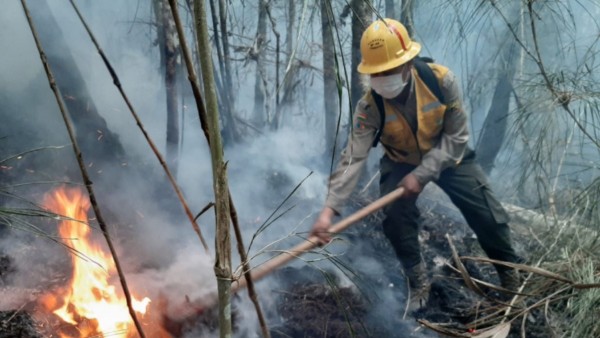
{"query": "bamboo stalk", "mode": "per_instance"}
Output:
(210, 124)
(204, 121)
(85, 176)
(312, 242)
(222, 265)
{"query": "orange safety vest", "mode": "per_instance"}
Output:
(398, 139)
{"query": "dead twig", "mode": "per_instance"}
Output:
(246, 268)
(205, 209)
(462, 269)
(5, 322)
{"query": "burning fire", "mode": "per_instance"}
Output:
(90, 302)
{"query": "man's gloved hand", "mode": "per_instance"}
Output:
(411, 186)
(321, 226)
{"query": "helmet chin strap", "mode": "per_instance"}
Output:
(407, 71)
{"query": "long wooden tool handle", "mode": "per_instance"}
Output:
(286, 256)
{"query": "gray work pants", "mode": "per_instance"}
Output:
(467, 187)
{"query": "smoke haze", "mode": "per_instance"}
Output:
(161, 252)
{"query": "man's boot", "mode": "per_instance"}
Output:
(509, 279)
(419, 286)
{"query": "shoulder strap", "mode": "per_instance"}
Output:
(426, 74)
(379, 103)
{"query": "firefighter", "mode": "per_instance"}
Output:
(414, 109)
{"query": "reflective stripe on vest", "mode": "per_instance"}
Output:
(400, 143)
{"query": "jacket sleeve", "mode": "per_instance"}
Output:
(453, 141)
(343, 180)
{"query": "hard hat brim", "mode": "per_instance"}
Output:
(408, 55)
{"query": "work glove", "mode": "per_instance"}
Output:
(320, 229)
(412, 186)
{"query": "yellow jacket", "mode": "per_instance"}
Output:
(401, 142)
(422, 131)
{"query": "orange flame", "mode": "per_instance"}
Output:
(90, 302)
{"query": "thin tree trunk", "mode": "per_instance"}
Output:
(269, 117)
(329, 87)
(223, 92)
(169, 52)
(172, 56)
(221, 190)
(390, 9)
(289, 31)
(95, 139)
(217, 38)
(258, 113)
(493, 131)
(406, 16)
(361, 18)
(288, 78)
(492, 134)
(230, 131)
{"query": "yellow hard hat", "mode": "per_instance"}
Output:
(385, 45)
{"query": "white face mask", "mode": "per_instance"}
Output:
(388, 86)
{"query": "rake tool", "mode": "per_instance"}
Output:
(311, 242)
